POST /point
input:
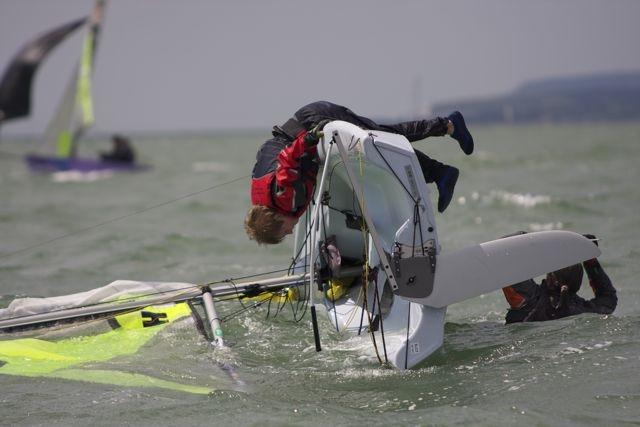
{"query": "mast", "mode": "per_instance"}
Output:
(87, 62)
(189, 293)
(74, 115)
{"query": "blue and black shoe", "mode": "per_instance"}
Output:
(446, 183)
(461, 133)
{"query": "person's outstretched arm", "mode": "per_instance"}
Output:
(605, 300)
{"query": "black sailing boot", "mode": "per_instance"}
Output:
(446, 182)
(461, 133)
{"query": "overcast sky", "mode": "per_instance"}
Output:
(212, 65)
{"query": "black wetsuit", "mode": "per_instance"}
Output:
(312, 114)
(538, 303)
(416, 130)
(122, 153)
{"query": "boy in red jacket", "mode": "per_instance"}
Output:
(284, 175)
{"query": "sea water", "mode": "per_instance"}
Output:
(179, 221)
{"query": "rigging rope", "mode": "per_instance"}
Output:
(417, 224)
(308, 287)
(177, 291)
(365, 282)
(119, 218)
(373, 142)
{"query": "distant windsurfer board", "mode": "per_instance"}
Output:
(47, 164)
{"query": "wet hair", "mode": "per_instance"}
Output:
(570, 276)
(264, 225)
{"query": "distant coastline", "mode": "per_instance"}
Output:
(597, 97)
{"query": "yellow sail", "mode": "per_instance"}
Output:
(75, 113)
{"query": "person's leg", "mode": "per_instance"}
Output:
(444, 176)
(454, 125)
(460, 132)
(313, 113)
(431, 168)
(419, 129)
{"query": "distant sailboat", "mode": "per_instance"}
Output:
(74, 114)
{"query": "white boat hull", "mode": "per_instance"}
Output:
(390, 191)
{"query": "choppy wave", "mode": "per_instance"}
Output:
(576, 371)
(534, 226)
(525, 200)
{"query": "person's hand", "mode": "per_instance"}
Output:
(517, 233)
(321, 125)
(593, 238)
(313, 136)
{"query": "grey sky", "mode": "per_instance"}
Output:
(211, 65)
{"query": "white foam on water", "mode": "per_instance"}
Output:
(584, 348)
(76, 176)
(525, 200)
(354, 373)
(534, 226)
(358, 344)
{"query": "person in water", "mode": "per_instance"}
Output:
(284, 175)
(121, 151)
(557, 296)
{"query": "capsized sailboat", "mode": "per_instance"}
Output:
(373, 208)
(371, 230)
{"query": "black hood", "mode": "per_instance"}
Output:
(570, 276)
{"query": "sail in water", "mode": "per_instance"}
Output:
(17, 80)
(85, 351)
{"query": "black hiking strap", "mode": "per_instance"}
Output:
(290, 129)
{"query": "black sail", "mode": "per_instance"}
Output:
(15, 87)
